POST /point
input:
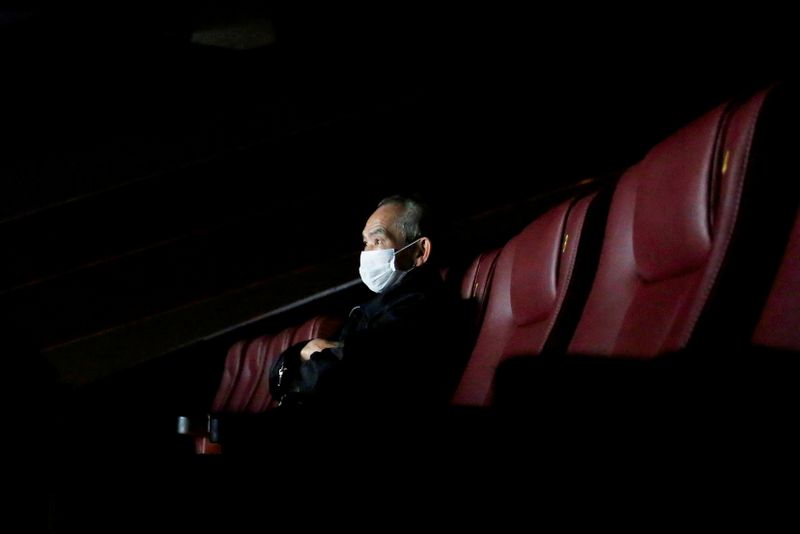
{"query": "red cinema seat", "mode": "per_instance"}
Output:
(538, 278)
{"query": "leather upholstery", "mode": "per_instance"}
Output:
(475, 283)
(532, 274)
(671, 234)
(779, 325)
(672, 219)
(245, 385)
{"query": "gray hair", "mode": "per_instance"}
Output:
(413, 221)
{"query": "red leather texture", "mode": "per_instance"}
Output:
(245, 386)
(671, 234)
(476, 279)
(779, 326)
(671, 221)
(530, 279)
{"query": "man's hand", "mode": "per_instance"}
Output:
(316, 345)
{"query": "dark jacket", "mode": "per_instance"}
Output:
(401, 348)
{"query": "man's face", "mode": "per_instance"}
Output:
(381, 231)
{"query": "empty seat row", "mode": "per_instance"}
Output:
(687, 256)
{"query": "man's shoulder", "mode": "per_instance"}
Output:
(422, 284)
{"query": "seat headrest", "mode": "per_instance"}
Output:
(672, 218)
(534, 267)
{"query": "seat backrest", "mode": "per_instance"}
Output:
(245, 381)
(532, 290)
(779, 324)
(671, 221)
(470, 282)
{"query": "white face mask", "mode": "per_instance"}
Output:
(378, 269)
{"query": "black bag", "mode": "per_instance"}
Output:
(285, 377)
(293, 382)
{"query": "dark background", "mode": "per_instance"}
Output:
(148, 175)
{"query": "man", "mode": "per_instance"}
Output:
(398, 348)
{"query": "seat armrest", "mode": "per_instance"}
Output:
(204, 431)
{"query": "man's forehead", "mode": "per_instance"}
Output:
(375, 229)
(381, 220)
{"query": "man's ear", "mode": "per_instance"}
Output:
(425, 251)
